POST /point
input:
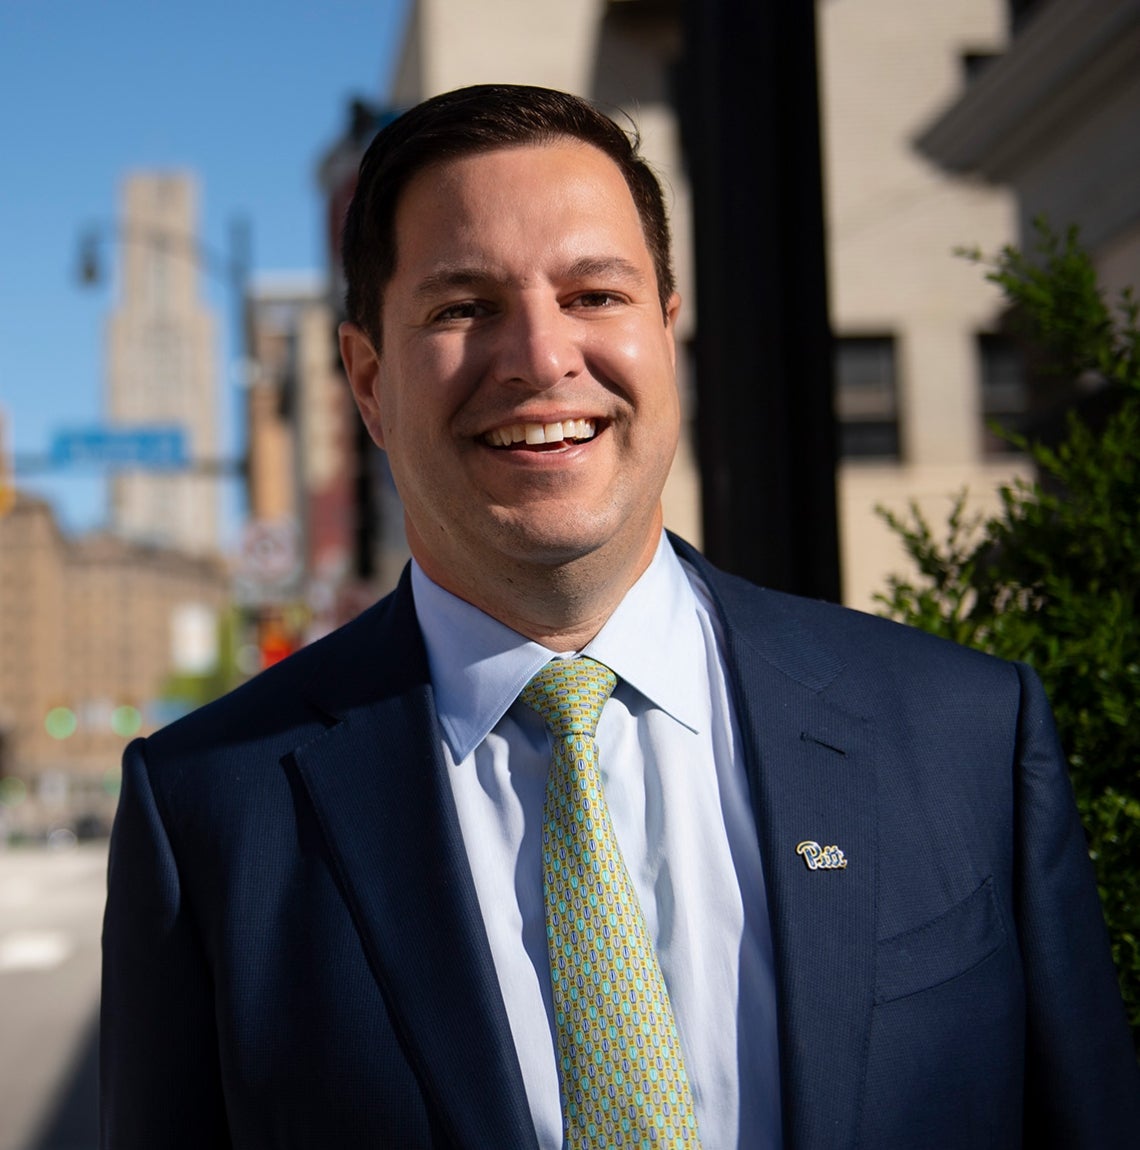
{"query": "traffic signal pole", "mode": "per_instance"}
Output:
(765, 426)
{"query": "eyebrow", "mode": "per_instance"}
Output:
(606, 266)
(455, 277)
(588, 267)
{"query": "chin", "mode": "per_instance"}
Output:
(554, 539)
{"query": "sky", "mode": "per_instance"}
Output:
(245, 94)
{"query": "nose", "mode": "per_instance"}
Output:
(538, 345)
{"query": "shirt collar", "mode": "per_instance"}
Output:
(652, 641)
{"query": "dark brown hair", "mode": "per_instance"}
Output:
(467, 121)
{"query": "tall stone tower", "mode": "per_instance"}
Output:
(161, 364)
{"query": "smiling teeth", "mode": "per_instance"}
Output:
(534, 433)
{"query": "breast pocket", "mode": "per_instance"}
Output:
(944, 948)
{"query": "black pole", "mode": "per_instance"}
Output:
(366, 504)
(765, 427)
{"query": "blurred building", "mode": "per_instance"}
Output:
(921, 361)
(1057, 119)
(298, 546)
(91, 632)
(161, 364)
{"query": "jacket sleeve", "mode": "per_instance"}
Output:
(160, 1083)
(1082, 1081)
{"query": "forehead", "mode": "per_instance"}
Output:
(527, 189)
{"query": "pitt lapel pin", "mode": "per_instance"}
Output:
(821, 858)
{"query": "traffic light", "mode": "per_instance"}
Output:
(7, 481)
(273, 640)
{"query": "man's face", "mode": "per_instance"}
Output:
(524, 389)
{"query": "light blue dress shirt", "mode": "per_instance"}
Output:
(674, 777)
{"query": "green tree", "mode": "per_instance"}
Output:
(1054, 578)
(187, 691)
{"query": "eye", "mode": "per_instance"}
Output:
(598, 299)
(464, 309)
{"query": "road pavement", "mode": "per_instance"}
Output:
(51, 907)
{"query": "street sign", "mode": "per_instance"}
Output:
(149, 447)
(268, 563)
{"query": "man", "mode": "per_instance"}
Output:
(815, 880)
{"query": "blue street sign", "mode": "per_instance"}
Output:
(147, 447)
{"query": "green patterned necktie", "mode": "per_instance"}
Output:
(622, 1076)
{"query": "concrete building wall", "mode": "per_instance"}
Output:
(323, 395)
(120, 603)
(87, 627)
(271, 427)
(270, 486)
(32, 629)
(887, 67)
(299, 405)
(450, 43)
(1118, 262)
(1055, 121)
(328, 421)
(301, 420)
(1087, 170)
(160, 363)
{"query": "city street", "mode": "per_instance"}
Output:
(51, 905)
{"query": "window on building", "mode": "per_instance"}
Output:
(866, 397)
(1004, 397)
(159, 270)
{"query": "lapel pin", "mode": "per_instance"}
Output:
(821, 858)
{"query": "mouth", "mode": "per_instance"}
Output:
(561, 433)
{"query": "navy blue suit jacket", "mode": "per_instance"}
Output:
(294, 955)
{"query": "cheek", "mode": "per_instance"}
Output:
(635, 361)
(415, 426)
(432, 385)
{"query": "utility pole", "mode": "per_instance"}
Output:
(765, 425)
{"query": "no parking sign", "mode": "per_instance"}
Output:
(269, 559)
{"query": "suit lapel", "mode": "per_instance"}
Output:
(812, 777)
(382, 797)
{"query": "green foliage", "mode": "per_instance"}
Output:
(188, 691)
(1054, 578)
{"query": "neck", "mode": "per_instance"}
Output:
(562, 606)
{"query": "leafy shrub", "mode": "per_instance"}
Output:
(1054, 578)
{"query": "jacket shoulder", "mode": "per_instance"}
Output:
(817, 642)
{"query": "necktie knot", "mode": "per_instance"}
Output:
(569, 694)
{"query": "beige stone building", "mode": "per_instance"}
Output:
(161, 358)
(920, 362)
(1057, 120)
(91, 630)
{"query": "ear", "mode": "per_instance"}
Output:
(672, 309)
(362, 366)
